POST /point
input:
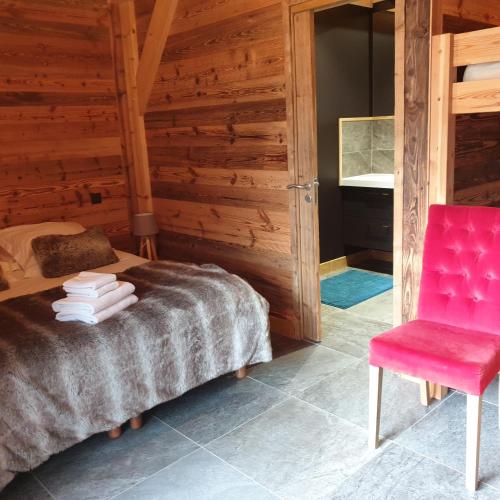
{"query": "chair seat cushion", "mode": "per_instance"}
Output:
(454, 357)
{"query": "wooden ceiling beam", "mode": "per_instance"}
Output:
(154, 45)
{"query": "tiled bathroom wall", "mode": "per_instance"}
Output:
(367, 146)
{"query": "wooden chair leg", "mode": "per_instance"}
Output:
(375, 397)
(425, 393)
(499, 401)
(474, 406)
(241, 373)
(136, 422)
(440, 392)
(115, 433)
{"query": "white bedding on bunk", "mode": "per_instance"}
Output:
(26, 286)
(482, 71)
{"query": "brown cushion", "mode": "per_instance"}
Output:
(59, 255)
(4, 284)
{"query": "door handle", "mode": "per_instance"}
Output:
(306, 186)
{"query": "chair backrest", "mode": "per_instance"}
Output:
(460, 283)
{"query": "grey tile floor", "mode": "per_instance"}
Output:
(294, 429)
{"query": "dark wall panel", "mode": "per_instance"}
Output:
(383, 64)
(342, 72)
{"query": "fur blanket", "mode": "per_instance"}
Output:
(62, 382)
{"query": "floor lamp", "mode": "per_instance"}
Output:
(145, 227)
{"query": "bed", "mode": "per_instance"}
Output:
(479, 92)
(63, 382)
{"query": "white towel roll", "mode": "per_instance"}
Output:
(84, 305)
(94, 319)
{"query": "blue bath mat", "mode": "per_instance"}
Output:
(352, 287)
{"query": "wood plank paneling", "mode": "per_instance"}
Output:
(217, 140)
(484, 11)
(60, 138)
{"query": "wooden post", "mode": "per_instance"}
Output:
(442, 122)
(127, 53)
(441, 132)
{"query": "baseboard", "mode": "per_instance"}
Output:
(356, 258)
(331, 266)
(382, 255)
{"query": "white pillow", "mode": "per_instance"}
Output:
(16, 241)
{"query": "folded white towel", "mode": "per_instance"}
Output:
(93, 319)
(90, 292)
(90, 280)
(87, 305)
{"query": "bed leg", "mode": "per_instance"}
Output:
(136, 422)
(241, 373)
(115, 433)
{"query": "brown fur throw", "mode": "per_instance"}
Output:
(4, 284)
(59, 255)
(62, 382)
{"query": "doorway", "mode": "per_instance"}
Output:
(354, 54)
(303, 121)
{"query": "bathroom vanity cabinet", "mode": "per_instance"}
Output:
(368, 217)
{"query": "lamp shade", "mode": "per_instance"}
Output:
(144, 225)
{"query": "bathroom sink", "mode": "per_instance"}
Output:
(385, 181)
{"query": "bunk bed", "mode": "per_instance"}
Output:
(479, 52)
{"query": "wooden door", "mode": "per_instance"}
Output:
(305, 169)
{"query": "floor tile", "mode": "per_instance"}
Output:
(378, 308)
(298, 370)
(441, 436)
(295, 450)
(349, 333)
(100, 467)
(491, 393)
(213, 409)
(398, 474)
(24, 487)
(346, 395)
(199, 476)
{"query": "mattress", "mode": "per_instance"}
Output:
(33, 285)
(482, 71)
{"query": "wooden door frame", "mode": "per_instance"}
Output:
(407, 253)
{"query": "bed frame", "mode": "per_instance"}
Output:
(449, 98)
(136, 422)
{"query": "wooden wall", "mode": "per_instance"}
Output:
(216, 127)
(59, 130)
(477, 152)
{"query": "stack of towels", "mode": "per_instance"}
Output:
(93, 297)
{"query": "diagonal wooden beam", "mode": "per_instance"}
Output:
(154, 45)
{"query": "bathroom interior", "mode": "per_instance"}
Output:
(355, 133)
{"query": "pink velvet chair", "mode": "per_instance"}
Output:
(455, 341)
